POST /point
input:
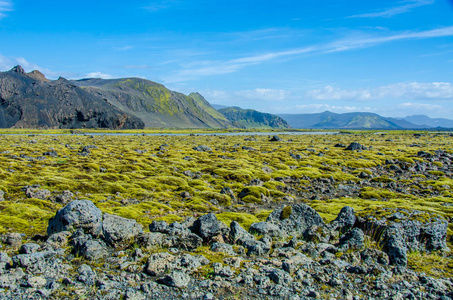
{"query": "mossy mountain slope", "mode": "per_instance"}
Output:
(156, 105)
(29, 100)
(249, 118)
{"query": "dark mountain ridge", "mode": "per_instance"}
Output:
(29, 100)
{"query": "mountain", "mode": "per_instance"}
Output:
(427, 121)
(156, 105)
(249, 118)
(219, 106)
(356, 120)
(30, 100)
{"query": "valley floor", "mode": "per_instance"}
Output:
(392, 242)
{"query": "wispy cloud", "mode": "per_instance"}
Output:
(5, 6)
(413, 90)
(124, 48)
(264, 94)
(99, 75)
(7, 63)
(209, 68)
(404, 7)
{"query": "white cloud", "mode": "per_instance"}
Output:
(158, 5)
(316, 108)
(209, 68)
(413, 90)
(264, 94)
(420, 106)
(5, 6)
(390, 12)
(99, 75)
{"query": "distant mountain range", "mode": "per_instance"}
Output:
(361, 120)
(249, 118)
(30, 100)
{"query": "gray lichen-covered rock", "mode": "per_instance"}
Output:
(345, 220)
(269, 229)
(37, 193)
(223, 247)
(352, 240)
(176, 279)
(29, 248)
(63, 197)
(420, 231)
(119, 231)
(158, 263)
(77, 214)
(395, 246)
(202, 148)
(207, 226)
(295, 220)
(355, 146)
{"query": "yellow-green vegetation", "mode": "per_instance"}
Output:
(432, 264)
(142, 176)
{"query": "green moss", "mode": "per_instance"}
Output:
(384, 179)
(242, 218)
(286, 212)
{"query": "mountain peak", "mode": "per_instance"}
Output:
(18, 69)
(35, 74)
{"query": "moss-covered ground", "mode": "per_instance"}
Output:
(150, 178)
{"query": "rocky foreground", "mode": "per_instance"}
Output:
(294, 254)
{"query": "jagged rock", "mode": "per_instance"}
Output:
(93, 250)
(12, 239)
(345, 220)
(77, 214)
(119, 231)
(187, 263)
(275, 138)
(223, 247)
(373, 256)
(36, 281)
(355, 146)
(354, 239)
(265, 228)
(280, 277)
(37, 193)
(395, 245)
(221, 270)
(410, 229)
(150, 240)
(29, 248)
(175, 279)
(64, 197)
(238, 234)
(207, 226)
(58, 240)
(158, 263)
(175, 235)
(202, 148)
(295, 220)
(28, 260)
(86, 275)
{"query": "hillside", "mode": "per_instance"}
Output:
(29, 100)
(427, 121)
(249, 118)
(156, 105)
(356, 120)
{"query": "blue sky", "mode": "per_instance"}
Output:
(394, 58)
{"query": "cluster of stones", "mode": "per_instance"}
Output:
(294, 254)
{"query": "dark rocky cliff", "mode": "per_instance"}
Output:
(29, 100)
